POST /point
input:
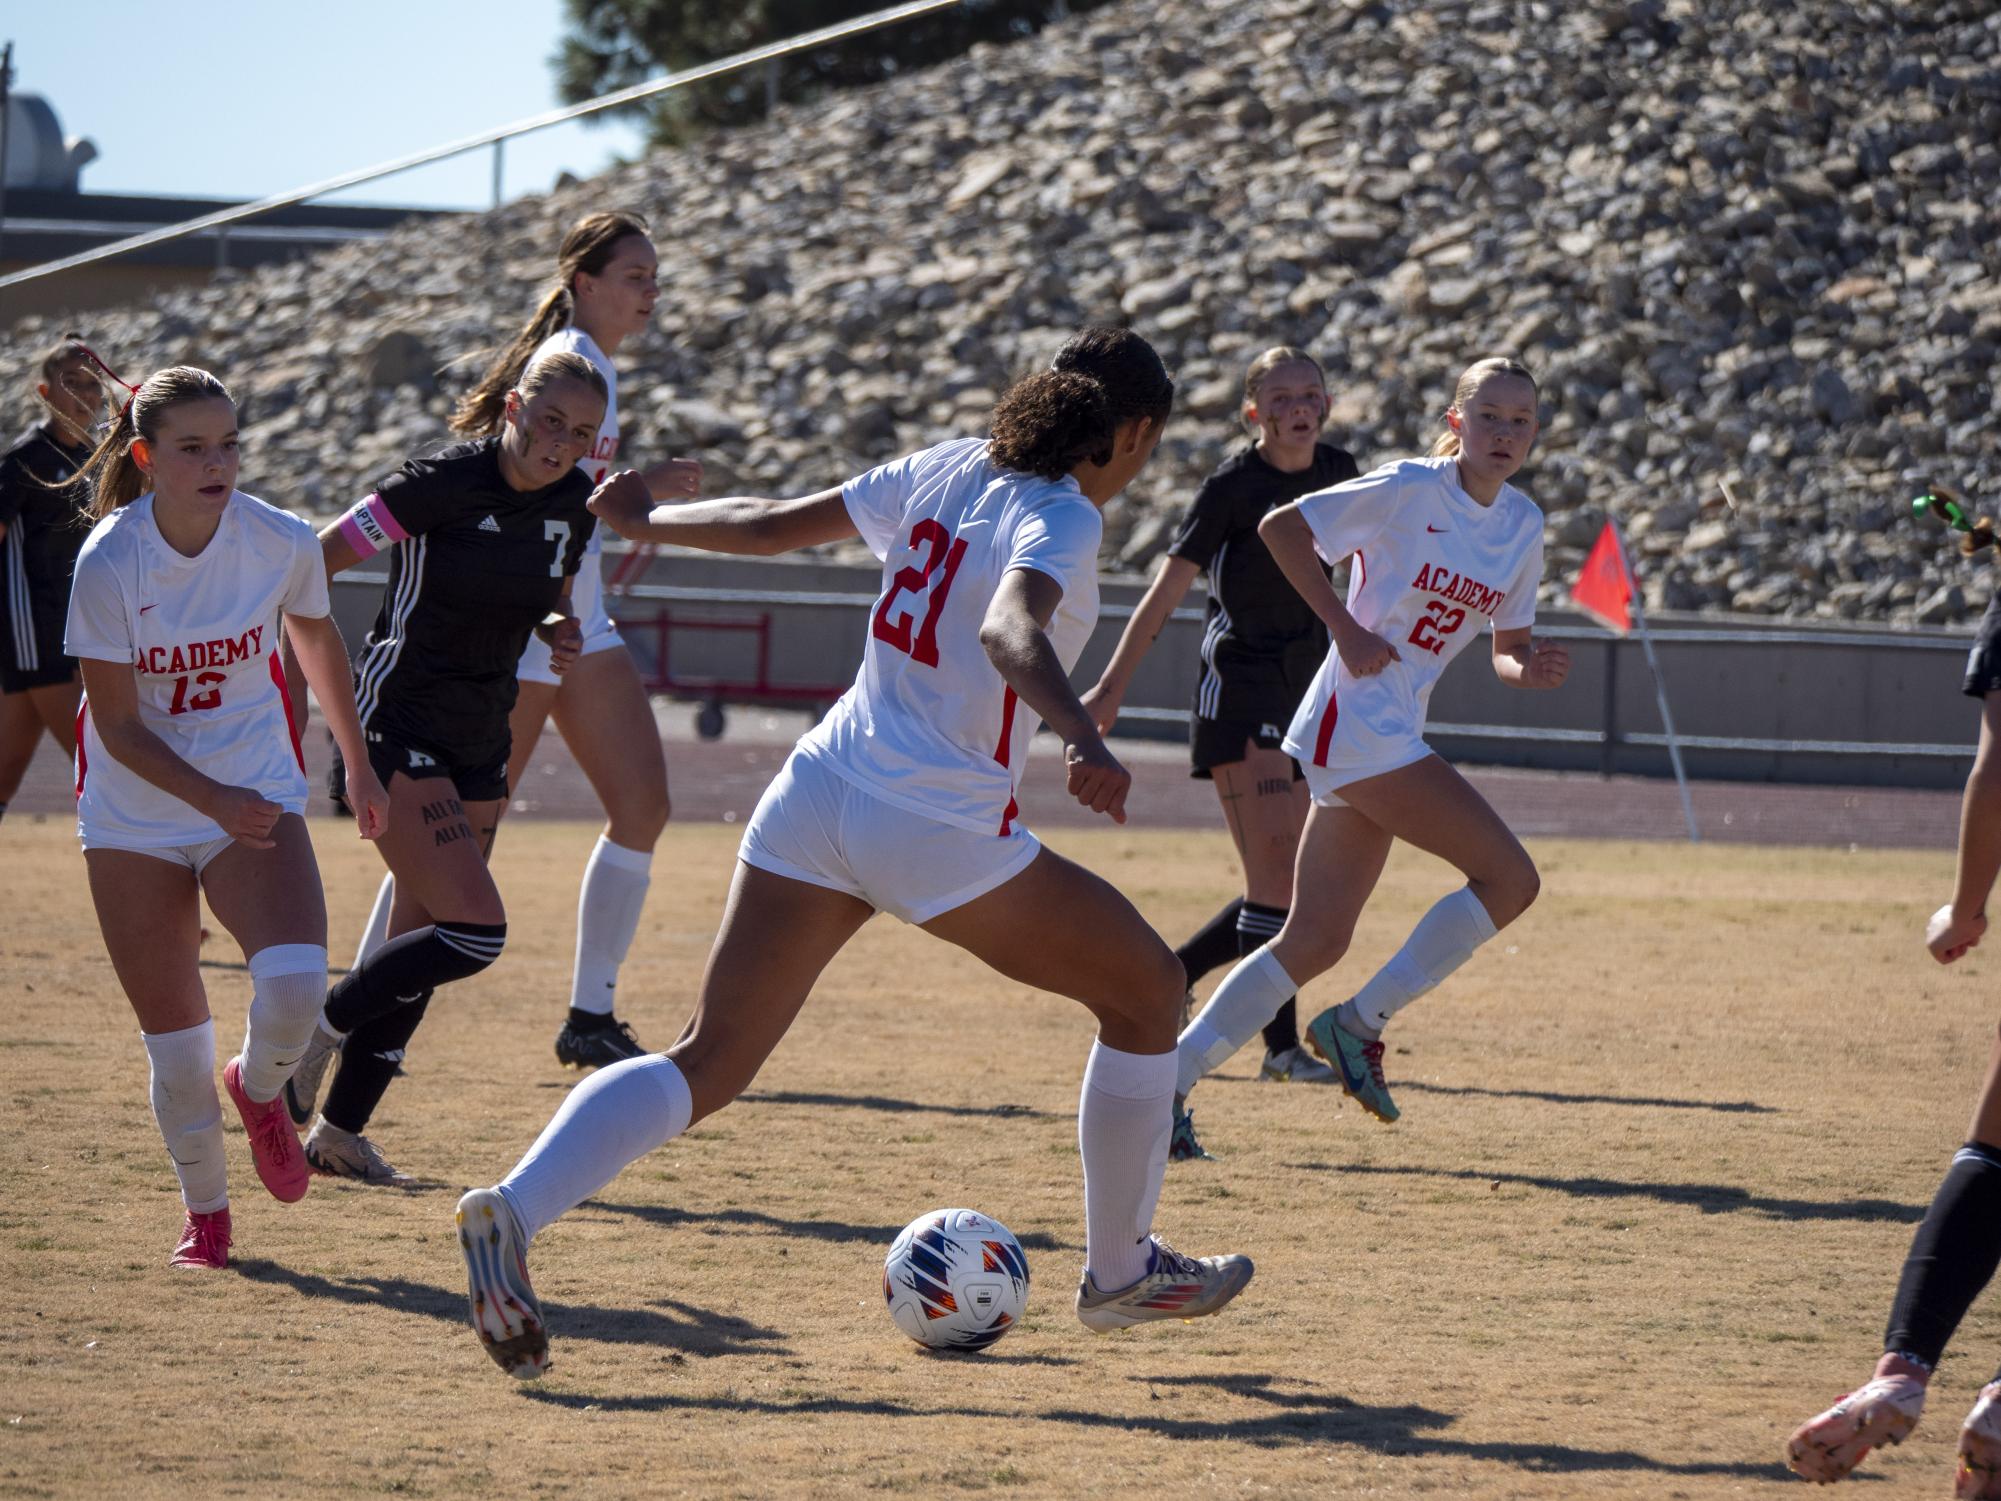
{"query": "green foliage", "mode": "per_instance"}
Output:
(614, 43)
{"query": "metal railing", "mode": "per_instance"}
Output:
(223, 218)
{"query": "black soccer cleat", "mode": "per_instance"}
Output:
(611, 1043)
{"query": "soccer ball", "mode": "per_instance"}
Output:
(955, 1280)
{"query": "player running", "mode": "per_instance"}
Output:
(603, 295)
(1260, 647)
(487, 536)
(1958, 1245)
(1439, 543)
(42, 527)
(189, 780)
(903, 800)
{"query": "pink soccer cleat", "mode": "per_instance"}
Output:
(204, 1242)
(274, 1140)
(1979, 1476)
(1827, 1447)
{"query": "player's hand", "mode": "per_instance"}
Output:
(1949, 936)
(675, 481)
(565, 640)
(368, 801)
(1365, 654)
(1546, 667)
(247, 817)
(621, 500)
(1102, 704)
(1096, 779)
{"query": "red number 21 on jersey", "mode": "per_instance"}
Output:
(895, 630)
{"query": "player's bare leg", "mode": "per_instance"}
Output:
(1265, 807)
(751, 992)
(149, 911)
(1059, 928)
(607, 721)
(20, 733)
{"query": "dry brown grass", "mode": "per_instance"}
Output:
(1663, 1147)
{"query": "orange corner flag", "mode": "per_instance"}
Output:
(1605, 589)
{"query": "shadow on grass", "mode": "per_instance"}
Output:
(1650, 1102)
(751, 1219)
(668, 1322)
(891, 1106)
(1295, 1414)
(1710, 1198)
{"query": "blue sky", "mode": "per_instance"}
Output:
(246, 98)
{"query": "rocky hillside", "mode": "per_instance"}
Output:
(1740, 242)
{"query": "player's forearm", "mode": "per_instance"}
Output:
(1028, 664)
(148, 757)
(322, 657)
(735, 524)
(1979, 832)
(1149, 619)
(1512, 666)
(1290, 541)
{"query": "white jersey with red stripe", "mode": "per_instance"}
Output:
(1431, 566)
(200, 635)
(929, 725)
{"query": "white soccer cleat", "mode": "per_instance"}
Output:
(500, 1300)
(1884, 1411)
(1174, 1287)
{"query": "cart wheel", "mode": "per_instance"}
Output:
(709, 720)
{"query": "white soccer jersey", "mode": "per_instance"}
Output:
(1430, 561)
(929, 725)
(587, 587)
(201, 634)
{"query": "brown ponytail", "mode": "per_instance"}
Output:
(1446, 446)
(587, 250)
(113, 475)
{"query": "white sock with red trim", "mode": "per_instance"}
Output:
(1443, 939)
(1123, 1121)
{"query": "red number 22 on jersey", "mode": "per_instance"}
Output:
(895, 630)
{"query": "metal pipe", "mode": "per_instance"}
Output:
(6, 89)
(804, 42)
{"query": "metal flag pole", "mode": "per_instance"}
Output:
(1660, 693)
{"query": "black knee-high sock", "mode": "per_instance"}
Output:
(1258, 925)
(411, 964)
(1952, 1256)
(1214, 944)
(368, 1061)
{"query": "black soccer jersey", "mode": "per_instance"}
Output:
(476, 566)
(45, 531)
(1261, 643)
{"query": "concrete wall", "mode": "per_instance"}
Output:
(1800, 703)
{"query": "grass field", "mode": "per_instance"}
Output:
(1664, 1143)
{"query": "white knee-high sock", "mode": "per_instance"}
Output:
(1123, 1120)
(616, 1116)
(289, 983)
(614, 890)
(1249, 996)
(1443, 939)
(377, 932)
(190, 1115)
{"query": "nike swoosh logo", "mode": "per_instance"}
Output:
(144, 608)
(1430, 528)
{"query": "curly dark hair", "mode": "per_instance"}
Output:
(1050, 422)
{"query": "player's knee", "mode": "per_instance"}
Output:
(473, 946)
(1513, 892)
(639, 818)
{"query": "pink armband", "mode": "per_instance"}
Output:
(368, 527)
